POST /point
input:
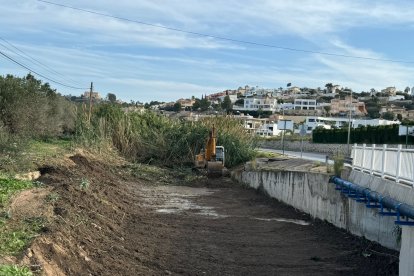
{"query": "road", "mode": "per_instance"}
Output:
(305, 155)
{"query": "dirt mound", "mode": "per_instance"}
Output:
(31, 204)
(86, 231)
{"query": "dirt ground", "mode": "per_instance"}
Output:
(110, 218)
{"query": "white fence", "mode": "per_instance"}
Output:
(392, 163)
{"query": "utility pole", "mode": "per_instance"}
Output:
(349, 128)
(90, 103)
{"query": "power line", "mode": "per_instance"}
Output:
(222, 37)
(35, 61)
(38, 74)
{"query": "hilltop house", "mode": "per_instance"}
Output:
(342, 107)
(255, 103)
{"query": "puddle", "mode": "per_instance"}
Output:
(167, 211)
(295, 221)
(178, 199)
(175, 203)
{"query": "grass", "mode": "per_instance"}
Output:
(338, 165)
(163, 176)
(52, 197)
(84, 184)
(14, 236)
(14, 270)
(267, 154)
(9, 187)
(29, 155)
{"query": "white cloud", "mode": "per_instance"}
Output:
(363, 74)
(126, 57)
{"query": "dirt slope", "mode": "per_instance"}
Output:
(113, 218)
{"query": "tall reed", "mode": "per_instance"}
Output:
(152, 138)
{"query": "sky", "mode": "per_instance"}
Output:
(142, 62)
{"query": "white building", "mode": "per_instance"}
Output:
(268, 129)
(286, 106)
(305, 104)
(313, 122)
(258, 126)
(258, 103)
(233, 98)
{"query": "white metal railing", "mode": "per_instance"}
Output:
(392, 163)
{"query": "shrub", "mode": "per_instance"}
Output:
(338, 164)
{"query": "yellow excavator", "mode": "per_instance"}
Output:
(211, 157)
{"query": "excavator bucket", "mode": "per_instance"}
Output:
(214, 169)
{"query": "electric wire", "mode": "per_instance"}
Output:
(34, 61)
(39, 74)
(224, 38)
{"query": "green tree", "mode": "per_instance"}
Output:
(239, 102)
(201, 105)
(177, 107)
(388, 116)
(327, 109)
(373, 108)
(31, 108)
(111, 97)
(329, 87)
(226, 104)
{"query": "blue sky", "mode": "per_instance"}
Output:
(143, 63)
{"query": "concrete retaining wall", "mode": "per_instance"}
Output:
(312, 194)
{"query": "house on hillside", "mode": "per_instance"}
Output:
(256, 103)
(342, 107)
(258, 126)
(95, 95)
(390, 91)
(186, 103)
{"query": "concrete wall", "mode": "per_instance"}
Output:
(407, 252)
(397, 191)
(312, 194)
(401, 193)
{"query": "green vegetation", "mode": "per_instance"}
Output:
(14, 238)
(368, 135)
(30, 154)
(84, 184)
(266, 154)
(338, 165)
(14, 270)
(151, 138)
(8, 187)
(32, 109)
(164, 176)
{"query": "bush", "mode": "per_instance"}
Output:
(338, 165)
(368, 135)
